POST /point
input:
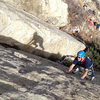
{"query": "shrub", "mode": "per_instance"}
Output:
(93, 53)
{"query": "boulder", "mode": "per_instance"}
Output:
(54, 12)
(18, 28)
(28, 77)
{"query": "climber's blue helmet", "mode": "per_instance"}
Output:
(81, 54)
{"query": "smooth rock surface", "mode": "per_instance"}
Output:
(55, 12)
(31, 34)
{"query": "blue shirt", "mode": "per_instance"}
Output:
(87, 63)
(98, 25)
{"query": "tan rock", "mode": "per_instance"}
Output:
(33, 35)
(54, 12)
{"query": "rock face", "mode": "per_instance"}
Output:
(79, 12)
(33, 35)
(54, 12)
(27, 77)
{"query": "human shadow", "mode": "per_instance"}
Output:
(37, 41)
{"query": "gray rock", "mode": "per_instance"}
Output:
(42, 79)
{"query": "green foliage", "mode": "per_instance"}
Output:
(94, 53)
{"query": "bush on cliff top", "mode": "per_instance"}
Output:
(94, 53)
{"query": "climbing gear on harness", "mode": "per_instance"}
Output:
(89, 72)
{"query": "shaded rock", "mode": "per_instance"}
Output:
(44, 79)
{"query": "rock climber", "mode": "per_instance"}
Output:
(82, 62)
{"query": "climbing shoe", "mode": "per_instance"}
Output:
(75, 70)
(92, 78)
